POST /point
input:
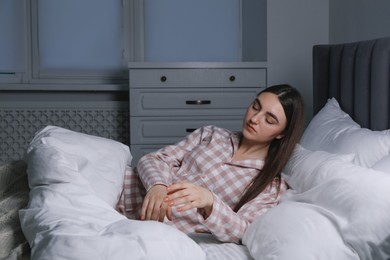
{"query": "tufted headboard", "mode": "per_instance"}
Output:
(358, 75)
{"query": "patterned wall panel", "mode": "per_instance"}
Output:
(19, 122)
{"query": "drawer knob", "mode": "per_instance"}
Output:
(232, 78)
(163, 78)
(198, 102)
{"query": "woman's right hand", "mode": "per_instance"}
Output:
(153, 206)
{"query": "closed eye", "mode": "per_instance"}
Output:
(271, 119)
(256, 105)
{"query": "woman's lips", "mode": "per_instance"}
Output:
(250, 128)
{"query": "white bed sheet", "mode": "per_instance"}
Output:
(216, 250)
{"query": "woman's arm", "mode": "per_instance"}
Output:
(159, 167)
(156, 171)
(229, 226)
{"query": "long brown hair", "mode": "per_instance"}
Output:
(279, 150)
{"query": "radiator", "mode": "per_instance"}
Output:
(20, 121)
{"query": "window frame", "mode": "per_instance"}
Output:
(33, 76)
(20, 76)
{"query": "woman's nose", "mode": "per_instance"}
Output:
(255, 119)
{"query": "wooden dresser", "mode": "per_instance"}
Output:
(170, 100)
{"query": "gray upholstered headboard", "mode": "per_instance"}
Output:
(358, 76)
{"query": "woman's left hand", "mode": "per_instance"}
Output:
(185, 196)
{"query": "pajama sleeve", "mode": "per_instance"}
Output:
(160, 167)
(229, 226)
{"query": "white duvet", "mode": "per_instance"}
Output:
(68, 218)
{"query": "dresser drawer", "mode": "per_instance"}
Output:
(171, 102)
(169, 130)
(198, 77)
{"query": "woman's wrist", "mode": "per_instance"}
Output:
(207, 210)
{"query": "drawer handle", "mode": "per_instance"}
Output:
(198, 102)
(190, 130)
(163, 78)
(232, 78)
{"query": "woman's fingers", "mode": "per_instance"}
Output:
(186, 196)
(147, 210)
(143, 209)
(163, 212)
(186, 207)
(181, 189)
(179, 200)
(153, 211)
(153, 207)
(169, 213)
(178, 193)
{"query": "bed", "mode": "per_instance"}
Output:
(60, 201)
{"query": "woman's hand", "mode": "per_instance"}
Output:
(185, 196)
(153, 206)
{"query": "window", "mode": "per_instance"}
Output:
(183, 30)
(76, 38)
(73, 41)
(13, 40)
(204, 30)
(91, 41)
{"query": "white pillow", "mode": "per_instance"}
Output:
(299, 170)
(383, 164)
(334, 131)
(353, 200)
(99, 160)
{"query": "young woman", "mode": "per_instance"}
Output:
(216, 180)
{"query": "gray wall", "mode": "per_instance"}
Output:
(356, 20)
(254, 27)
(293, 28)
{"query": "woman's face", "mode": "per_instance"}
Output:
(265, 119)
